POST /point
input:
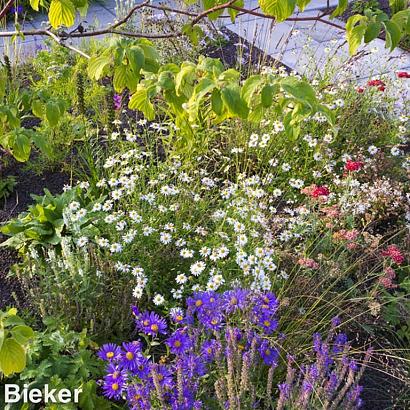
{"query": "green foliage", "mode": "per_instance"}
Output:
(63, 358)
(43, 223)
(7, 185)
(14, 337)
(198, 94)
(367, 27)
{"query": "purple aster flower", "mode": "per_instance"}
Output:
(268, 354)
(138, 396)
(165, 375)
(113, 388)
(192, 366)
(115, 372)
(268, 324)
(196, 302)
(211, 320)
(267, 302)
(18, 10)
(129, 358)
(209, 349)
(151, 324)
(135, 311)
(177, 315)
(142, 368)
(234, 300)
(109, 352)
(179, 342)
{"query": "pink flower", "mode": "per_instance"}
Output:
(403, 74)
(353, 165)
(394, 253)
(387, 282)
(308, 263)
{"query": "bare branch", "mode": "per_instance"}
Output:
(6, 8)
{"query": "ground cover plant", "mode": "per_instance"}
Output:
(188, 224)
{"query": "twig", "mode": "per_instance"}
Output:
(61, 42)
(6, 8)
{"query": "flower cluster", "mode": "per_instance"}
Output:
(218, 348)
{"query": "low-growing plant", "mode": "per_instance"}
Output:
(7, 185)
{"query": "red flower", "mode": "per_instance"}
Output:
(353, 165)
(320, 191)
(403, 74)
(360, 90)
(376, 83)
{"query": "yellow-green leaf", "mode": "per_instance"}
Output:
(12, 357)
(61, 13)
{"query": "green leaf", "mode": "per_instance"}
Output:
(34, 4)
(299, 89)
(250, 87)
(20, 145)
(402, 19)
(233, 101)
(96, 66)
(267, 95)
(216, 102)
(393, 34)
(124, 77)
(38, 108)
(140, 101)
(22, 334)
(355, 37)
(372, 31)
(136, 58)
(12, 357)
(61, 13)
(166, 80)
(302, 4)
(52, 113)
(281, 9)
(341, 8)
(194, 33)
(184, 80)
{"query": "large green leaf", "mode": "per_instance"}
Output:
(300, 90)
(281, 9)
(12, 357)
(22, 334)
(140, 101)
(393, 34)
(20, 145)
(234, 102)
(341, 7)
(61, 13)
(96, 66)
(372, 31)
(53, 113)
(184, 80)
(250, 86)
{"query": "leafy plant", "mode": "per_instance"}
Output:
(43, 223)
(7, 185)
(63, 358)
(14, 337)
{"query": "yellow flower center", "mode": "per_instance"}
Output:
(115, 375)
(198, 303)
(110, 355)
(177, 343)
(179, 318)
(146, 322)
(266, 323)
(129, 355)
(214, 321)
(209, 350)
(154, 327)
(234, 301)
(160, 377)
(115, 386)
(267, 352)
(137, 397)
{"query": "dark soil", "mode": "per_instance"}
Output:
(28, 183)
